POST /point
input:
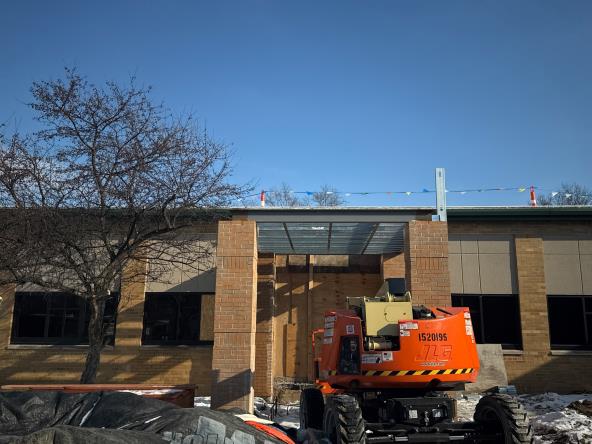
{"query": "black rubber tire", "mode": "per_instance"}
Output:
(343, 422)
(312, 406)
(499, 413)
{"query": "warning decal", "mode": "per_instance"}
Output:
(387, 356)
(450, 371)
(372, 358)
(408, 326)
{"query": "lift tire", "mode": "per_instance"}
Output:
(500, 413)
(343, 422)
(312, 406)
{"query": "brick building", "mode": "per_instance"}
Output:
(243, 320)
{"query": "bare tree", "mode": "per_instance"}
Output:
(328, 197)
(568, 194)
(111, 184)
(284, 196)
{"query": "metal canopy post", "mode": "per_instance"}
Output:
(441, 194)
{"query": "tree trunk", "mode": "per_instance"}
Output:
(95, 341)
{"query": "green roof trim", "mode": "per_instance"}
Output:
(402, 214)
(520, 213)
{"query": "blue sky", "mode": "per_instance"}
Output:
(361, 95)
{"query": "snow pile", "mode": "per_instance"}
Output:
(554, 422)
(287, 415)
(552, 419)
(465, 406)
(202, 401)
(143, 392)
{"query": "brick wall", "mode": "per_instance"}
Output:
(126, 362)
(536, 368)
(233, 361)
(426, 262)
(392, 266)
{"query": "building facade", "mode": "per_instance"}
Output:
(244, 320)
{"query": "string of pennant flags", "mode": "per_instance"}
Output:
(522, 189)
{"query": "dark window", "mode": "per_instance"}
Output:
(496, 318)
(570, 322)
(172, 319)
(57, 318)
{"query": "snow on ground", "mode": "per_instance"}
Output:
(287, 415)
(202, 401)
(153, 392)
(552, 420)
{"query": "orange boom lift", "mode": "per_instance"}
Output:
(382, 370)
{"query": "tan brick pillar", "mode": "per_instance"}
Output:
(233, 360)
(530, 264)
(426, 262)
(392, 266)
(130, 313)
(7, 295)
(264, 355)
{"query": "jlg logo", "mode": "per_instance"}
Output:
(434, 353)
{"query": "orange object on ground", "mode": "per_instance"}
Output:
(271, 431)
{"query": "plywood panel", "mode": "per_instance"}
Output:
(562, 273)
(329, 291)
(290, 309)
(470, 273)
(291, 357)
(206, 323)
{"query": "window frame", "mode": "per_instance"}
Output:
(505, 346)
(82, 314)
(175, 342)
(587, 345)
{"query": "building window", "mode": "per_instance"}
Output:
(570, 322)
(177, 319)
(57, 318)
(496, 318)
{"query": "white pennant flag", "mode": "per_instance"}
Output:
(568, 195)
(554, 193)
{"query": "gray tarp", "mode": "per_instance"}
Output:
(114, 417)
